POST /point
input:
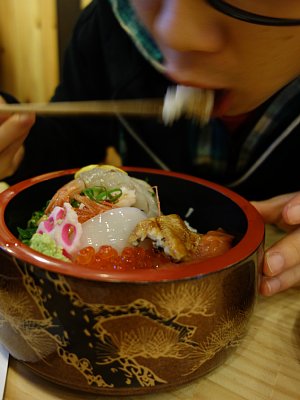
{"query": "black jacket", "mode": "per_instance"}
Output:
(101, 62)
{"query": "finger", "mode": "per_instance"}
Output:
(283, 255)
(10, 159)
(272, 209)
(3, 116)
(15, 127)
(18, 157)
(284, 281)
(291, 212)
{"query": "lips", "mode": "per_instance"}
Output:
(223, 99)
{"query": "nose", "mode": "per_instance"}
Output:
(188, 25)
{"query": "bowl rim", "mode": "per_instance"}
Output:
(251, 241)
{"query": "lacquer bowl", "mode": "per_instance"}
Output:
(135, 332)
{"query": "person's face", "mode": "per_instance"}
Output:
(205, 48)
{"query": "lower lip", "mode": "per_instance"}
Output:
(223, 101)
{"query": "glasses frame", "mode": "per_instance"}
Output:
(250, 17)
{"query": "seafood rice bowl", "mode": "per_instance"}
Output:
(126, 281)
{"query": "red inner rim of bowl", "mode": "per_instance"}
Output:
(244, 249)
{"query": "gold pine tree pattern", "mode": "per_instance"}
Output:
(187, 299)
(228, 333)
(161, 328)
(17, 322)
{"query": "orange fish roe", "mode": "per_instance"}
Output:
(130, 258)
(85, 256)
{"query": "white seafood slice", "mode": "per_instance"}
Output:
(108, 177)
(111, 228)
(145, 198)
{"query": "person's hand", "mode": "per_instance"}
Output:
(13, 131)
(282, 260)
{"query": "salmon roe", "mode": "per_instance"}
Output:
(106, 257)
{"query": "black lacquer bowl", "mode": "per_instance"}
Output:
(141, 331)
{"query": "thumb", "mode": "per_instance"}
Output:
(272, 209)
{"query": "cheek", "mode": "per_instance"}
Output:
(271, 55)
(146, 10)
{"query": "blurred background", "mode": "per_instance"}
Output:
(33, 37)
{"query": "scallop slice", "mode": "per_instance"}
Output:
(111, 228)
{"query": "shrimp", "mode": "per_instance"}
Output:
(65, 193)
(89, 208)
(135, 192)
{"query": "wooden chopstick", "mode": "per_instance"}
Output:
(136, 107)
